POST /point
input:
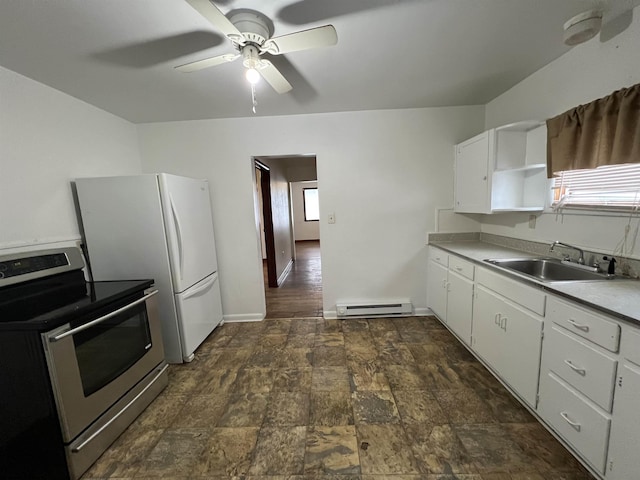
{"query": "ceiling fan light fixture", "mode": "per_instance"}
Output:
(582, 27)
(252, 75)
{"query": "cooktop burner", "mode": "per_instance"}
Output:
(51, 301)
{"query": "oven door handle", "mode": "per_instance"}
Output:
(115, 417)
(73, 331)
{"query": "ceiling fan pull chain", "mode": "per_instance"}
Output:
(253, 97)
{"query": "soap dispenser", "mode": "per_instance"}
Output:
(612, 265)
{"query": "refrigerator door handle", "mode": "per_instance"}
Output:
(202, 288)
(176, 222)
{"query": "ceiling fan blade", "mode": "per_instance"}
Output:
(218, 19)
(273, 77)
(312, 38)
(207, 62)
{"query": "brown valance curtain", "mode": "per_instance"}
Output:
(603, 132)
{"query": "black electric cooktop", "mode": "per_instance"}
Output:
(49, 302)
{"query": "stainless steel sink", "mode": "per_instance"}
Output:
(548, 269)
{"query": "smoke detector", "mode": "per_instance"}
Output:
(582, 27)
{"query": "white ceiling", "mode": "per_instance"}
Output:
(119, 54)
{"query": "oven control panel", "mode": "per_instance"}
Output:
(30, 265)
(24, 265)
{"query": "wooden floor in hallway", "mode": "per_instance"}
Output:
(300, 295)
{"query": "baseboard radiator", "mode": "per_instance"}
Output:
(371, 309)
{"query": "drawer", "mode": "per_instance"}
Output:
(529, 297)
(577, 421)
(586, 323)
(580, 365)
(439, 256)
(462, 267)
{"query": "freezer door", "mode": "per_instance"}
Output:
(199, 312)
(187, 215)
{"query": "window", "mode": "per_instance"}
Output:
(311, 205)
(608, 187)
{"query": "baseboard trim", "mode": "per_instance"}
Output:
(330, 314)
(244, 317)
(423, 312)
(285, 272)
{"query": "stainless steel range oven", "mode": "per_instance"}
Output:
(78, 362)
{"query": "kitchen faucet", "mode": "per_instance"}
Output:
(580, 258)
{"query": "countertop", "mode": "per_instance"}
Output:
(618, 297)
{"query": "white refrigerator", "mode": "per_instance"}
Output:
(157, 226)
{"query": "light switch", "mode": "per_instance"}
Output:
(332, 218)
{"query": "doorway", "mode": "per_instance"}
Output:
(291, 255)
(267, 239)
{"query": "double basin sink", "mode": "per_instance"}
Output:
(549, 269)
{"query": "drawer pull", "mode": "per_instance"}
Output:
(566, 418)
(578, 370)
(459, 269)
(579, 326)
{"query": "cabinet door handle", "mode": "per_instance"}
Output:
(579, 326)
(503, 323)
(448, 286)
(496, 319)
(576, 369)
(459, 269)
(566, 418)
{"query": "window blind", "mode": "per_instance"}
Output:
(612, 186)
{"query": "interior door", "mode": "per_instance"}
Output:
(189, 227)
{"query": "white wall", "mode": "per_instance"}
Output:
(280, 215)
(585, 73)
(302, 169)
(381, 172)
(303, 230)
(47, 139)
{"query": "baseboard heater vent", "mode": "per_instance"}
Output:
(399, 309)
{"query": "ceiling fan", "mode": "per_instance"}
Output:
(250, 32)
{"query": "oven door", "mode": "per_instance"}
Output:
(93, 363)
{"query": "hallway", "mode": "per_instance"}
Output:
(300, 295)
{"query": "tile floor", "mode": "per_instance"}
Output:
(355, 399)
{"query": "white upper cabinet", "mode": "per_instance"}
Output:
(502, 170)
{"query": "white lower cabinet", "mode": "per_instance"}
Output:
(437, 289)
(575, 418)
(589, 370)
(581, 378)
(460, 306)
(578, 371)
(509, 339)
(622, 463)
(450, 291)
